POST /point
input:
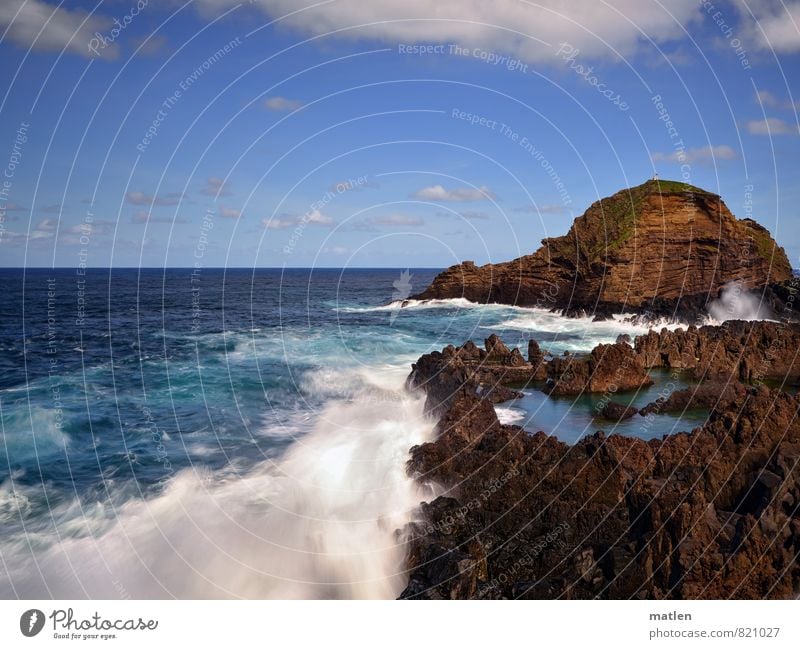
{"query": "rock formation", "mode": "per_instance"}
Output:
(747, 351)
(663, 247)
(714, 513)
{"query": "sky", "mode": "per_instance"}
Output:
(396, 133)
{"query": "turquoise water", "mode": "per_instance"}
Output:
(570, 418)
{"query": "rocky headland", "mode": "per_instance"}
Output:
(663, 249)
(708, 513)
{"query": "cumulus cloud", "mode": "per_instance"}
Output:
(215, 186)
(773, 25)
(140, 198)
(315, 217)
(49, 28)
(766, 98)
(98, 227)
(282, 104)
(462, 194)
(229, 213)
(47, 225)
(397, 219)
(771, 126)
(700, 154)
(530, 31)
(279, 222)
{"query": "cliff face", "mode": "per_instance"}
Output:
(660, 243)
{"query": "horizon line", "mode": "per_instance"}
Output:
(223, 267)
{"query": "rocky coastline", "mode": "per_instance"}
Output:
(708, 513)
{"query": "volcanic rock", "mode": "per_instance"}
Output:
(715, 394)
(747, 351)
(617, 412)
(662, 247)
(714, 513)
(608, 368)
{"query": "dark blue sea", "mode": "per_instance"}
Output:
(235, 433)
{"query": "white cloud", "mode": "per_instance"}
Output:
(96, 227)
(700, 154)
(46, 27)
(282, 104)
(530, 31)
(462, 194)
(318, 218)
(140, 198)
(769, 100)
(46, 225)
(397, 219)
(229, 213)
(527, 30)
(215, 186)
(771, 126)
(284, 221)
(279, 223)
(775, 25)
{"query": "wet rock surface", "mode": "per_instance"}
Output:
(712, 513)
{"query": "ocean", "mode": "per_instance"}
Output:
(236, 433)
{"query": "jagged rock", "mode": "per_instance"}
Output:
(663, 247)
(617, 412)
(608, 368)
(747, 351)
(456, 369)
(714, 513)
(720, 395)
(499, 393)
(536, 359)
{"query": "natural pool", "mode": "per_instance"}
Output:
(571, 418)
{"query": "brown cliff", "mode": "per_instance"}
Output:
(663, 246)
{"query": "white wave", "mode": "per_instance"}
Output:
(508, 415)
(588, 332)
(410, 305)
(319, 523)
(358, 382)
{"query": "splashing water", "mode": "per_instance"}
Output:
(321, 523)
(736, 303)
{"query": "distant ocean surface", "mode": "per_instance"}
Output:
(233, 433)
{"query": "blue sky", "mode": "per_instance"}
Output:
(228, 134)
